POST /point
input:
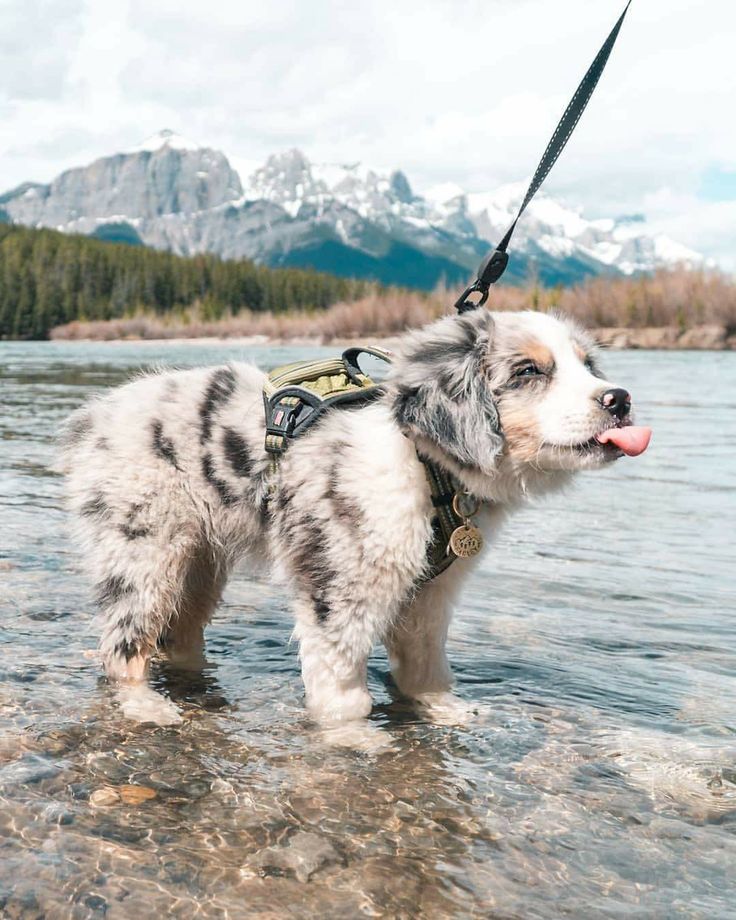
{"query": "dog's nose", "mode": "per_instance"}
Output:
(616, 401)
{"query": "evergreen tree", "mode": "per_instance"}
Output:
(49, 278)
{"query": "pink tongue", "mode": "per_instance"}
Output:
(632, 440)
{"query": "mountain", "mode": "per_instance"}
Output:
(169, 193)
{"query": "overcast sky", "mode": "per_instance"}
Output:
(463, 91)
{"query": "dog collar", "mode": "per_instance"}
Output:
(453, 534)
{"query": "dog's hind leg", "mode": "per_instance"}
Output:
(144, 566)
(139, 602)
(183, 640)
(163, 596)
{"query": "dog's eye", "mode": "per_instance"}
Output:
(527, 370)
(591, 366)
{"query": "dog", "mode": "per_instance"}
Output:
(171, 485)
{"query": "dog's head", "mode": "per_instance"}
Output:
(514, 395)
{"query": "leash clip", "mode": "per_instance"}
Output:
(464, 304)
(491, 269)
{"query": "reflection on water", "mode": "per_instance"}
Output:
(598, 779)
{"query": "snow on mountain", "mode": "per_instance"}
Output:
(346, 218)
(166, 138)
(291, 181)
(562, 231)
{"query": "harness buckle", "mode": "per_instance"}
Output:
(289, 411)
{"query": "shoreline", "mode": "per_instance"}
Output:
(653, 338)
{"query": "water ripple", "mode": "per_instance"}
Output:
(596, 644)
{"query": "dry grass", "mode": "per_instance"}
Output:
(679, 298)
(676, 297)
(385, 313)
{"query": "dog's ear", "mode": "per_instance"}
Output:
(441, 392)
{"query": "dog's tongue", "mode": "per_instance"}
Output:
(633, 440)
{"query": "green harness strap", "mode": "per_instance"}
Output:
(442, 488)
(296, 395)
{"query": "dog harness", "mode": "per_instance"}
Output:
(297, 395)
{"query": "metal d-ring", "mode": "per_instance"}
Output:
(464, 504)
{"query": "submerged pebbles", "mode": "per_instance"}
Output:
(303, 855)
(128, 795)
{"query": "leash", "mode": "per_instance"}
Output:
(494, 264)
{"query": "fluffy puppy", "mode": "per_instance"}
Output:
(169, 481)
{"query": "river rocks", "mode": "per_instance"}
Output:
(701, 338)
(134, 795)
(28, 771)
(101, 798)
(128, 795)
(105, 767)
(304, 855)
(704, 338)
(647, 337)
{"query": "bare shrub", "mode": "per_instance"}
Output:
(679, 298)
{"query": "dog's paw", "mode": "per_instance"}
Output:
(332, 707)
(358, 736)
(140, 703)
(446, 708)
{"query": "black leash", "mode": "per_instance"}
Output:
(494, 264)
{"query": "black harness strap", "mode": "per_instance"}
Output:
(291, 408)
(494, 264)
(442, 488)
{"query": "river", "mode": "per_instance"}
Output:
(597, 640)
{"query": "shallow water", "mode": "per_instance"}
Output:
(597, 642)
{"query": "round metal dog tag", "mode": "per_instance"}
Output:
(466, 541)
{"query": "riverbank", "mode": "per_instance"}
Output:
(656, 338)
(668, 338)
(670, 310)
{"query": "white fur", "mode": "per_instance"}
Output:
(170, 481)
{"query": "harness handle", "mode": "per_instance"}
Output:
(494, 264)
(350, 357)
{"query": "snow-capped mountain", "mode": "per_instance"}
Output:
(174, 194)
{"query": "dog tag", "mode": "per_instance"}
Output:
(466, 541)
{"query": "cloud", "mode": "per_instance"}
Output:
(37, 40)
(706, 226)
(448, 90)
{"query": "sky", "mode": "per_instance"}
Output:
(463, 91)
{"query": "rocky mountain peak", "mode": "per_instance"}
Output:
(285, 178)
(344, 218)
(400, 187)
(164, 175)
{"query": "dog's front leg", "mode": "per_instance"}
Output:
(333, 663)
(416, 644)
(416, 649)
